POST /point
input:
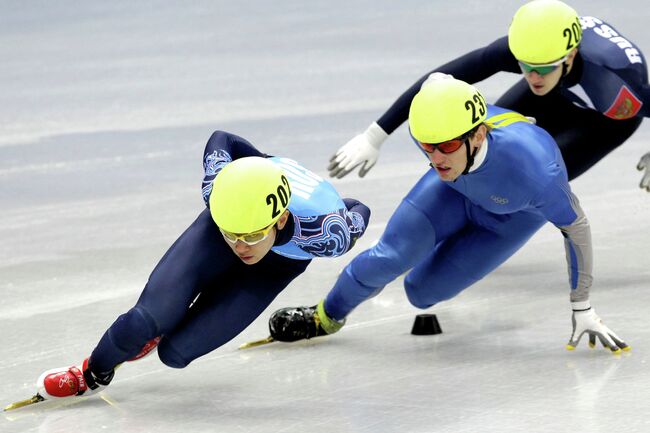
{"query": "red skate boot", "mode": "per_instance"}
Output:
(71, 381)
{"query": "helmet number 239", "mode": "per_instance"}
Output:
(282, 197)
(470, 105)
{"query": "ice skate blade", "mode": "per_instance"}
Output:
(36, 399)
(256, 343)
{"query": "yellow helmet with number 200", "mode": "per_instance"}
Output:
(544, 31)
(445, 109)
(249, 194)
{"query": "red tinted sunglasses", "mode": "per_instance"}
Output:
(444, 147)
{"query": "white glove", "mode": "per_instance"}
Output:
(644, 164)
(362, 149)
(587, 321)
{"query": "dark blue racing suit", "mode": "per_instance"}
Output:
(201, 295)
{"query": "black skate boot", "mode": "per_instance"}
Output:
(302, 323)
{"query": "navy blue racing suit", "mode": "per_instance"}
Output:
(201, 295)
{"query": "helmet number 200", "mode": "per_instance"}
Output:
(471, 105)
(282, 197)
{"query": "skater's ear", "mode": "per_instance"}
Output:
(282, 221)
(476, 139)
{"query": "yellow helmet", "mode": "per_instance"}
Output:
(249, 194)
(445, 109)
(544, 31)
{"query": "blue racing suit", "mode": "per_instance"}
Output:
(201, 295)
(452, 234)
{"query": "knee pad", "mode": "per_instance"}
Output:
(170, 356)
(424, 289)
(381, 264)
(132, 330)
(419, 297)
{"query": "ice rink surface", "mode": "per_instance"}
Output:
(106, 107)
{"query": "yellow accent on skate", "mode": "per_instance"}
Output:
(256, 343)
(328, 324)
(36, 399)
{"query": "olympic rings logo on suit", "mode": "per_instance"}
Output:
(499, 200)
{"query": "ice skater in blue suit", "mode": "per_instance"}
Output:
(265, 219)
(496, 178)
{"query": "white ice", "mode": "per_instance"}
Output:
(105, 109)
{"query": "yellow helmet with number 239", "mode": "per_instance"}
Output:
(445, 109)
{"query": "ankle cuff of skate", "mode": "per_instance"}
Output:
(328, 324)
(93, 381)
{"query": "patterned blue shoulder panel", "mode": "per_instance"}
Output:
(213, 162)
(323, 226)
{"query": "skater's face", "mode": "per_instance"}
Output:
(251, 254)
(543, 78)
(450, 165)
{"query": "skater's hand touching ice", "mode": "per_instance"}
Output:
(587, 321)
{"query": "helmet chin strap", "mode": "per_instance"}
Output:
(470, 158)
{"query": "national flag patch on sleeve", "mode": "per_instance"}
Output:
(625, 106)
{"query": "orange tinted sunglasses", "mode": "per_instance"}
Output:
(444, 147)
